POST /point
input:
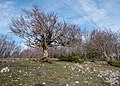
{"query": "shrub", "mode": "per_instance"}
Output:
(71, 58)
(91, 55)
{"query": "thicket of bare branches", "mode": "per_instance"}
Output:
(104, 43)
(97, 44)
(8, 48)
(31, 53)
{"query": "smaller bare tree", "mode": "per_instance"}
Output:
(8, 48)
(104, 42)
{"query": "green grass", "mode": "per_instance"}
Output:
(30, 73)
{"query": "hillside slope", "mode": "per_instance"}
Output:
(24, 72)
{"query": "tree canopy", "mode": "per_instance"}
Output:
(41, 29)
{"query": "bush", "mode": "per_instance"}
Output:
(71, 58)
(91, 55)
(114, 63)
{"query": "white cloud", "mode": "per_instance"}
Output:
(79, 9)
(102, 13)
(91, 10)
(6, 12)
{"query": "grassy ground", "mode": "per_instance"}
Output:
(30, 73)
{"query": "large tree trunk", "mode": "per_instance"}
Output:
(106, 56)
(45, 52)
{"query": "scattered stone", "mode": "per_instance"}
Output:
(85, 81)
(64, 66)
(110, 77)
(99, 75)
(13, 61)
(77, 67)
(38, 68)
(87, 68)
(20, 71)
(43, 83)
(21, 84)
(76, 82)
(67, 84)
(6, 69)
(10, 76)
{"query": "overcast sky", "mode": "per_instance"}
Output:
(85, 13)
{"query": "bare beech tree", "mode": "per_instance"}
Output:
(41, 29)
(104, 42)
(8, 48)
